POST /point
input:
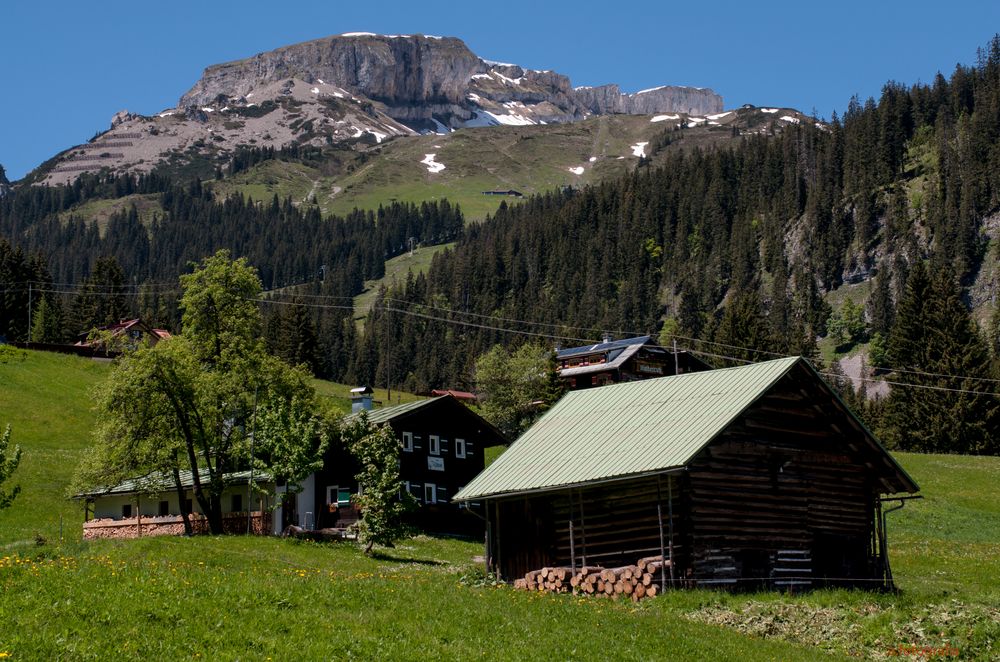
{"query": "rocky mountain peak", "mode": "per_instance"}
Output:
(4, 182)
(425, 81)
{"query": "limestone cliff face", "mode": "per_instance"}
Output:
(420, 79)
(4, 183)
(397, 71)
(667, 99)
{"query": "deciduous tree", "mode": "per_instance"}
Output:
(9, 459)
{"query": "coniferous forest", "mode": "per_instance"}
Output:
(730, 251)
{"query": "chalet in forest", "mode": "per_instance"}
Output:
(441, 450)
(150, 506)
(750, 477)
(129, 333)
(612, 361)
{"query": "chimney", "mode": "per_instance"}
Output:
(607, 338)
(361, 399)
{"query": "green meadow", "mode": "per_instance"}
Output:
(230, 598)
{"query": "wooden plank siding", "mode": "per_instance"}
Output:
(785, 497)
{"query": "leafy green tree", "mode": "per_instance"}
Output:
(515, 386)
(9, 459)
(382, 501)
(188, 402)
(847, 325)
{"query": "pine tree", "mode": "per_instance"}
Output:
(940, 359)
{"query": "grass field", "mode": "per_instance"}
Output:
(395, 271)
(259, 598)
(530, 159)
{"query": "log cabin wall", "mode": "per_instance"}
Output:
(783, 499)
(614, 524)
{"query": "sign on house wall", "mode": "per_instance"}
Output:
(435, 463)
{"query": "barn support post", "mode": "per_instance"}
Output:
(583, 529)
(496, 535)
(670, 515)
(659, 521)
(572, 548)
(572, 536)
(488, 552)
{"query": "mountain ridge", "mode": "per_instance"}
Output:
(354, 91)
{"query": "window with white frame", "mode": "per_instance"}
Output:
(430, 493)
(435, 445)
(408, 442)
(459, 447)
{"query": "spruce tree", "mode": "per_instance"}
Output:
(939, 359)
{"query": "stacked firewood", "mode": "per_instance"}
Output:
(642, 580)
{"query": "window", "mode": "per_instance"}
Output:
(331, 494)
(430, 492)
(435, 445)
(127, 511)
(237, 504)
(164, 508)
(408, 442)
(460, 448)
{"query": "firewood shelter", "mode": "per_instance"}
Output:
(751, 477)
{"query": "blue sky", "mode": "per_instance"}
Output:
(67, 67)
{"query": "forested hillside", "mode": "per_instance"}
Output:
(730, 250)
(736, 247)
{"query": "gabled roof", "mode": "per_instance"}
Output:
(164, 482)
(601, 347)
(621, 356)
(397, 412)
(387, 414)
(641, 428)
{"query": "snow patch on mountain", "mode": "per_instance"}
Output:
(578, 170)
(639, 149)
(433, 166)
(661, 118)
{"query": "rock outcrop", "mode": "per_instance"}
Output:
(4, 182)
(666, 99)
(422, 80)
(395, 70)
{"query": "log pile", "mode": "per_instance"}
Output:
(636, 582)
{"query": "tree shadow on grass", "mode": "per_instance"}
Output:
(382, 556)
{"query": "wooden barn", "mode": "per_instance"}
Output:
(751, 477)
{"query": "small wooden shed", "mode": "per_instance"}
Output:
(750, 477)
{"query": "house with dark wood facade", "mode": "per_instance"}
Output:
(750, 477)
(441, 445)
(629, 359)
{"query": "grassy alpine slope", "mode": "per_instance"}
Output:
(260, 598)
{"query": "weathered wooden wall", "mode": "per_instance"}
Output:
(783, 498)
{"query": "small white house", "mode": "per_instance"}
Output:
(150, 505)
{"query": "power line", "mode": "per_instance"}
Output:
(635, 333)
(871, 380)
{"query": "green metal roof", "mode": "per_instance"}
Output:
(164, 482)
(629, 429)
(386, 414)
